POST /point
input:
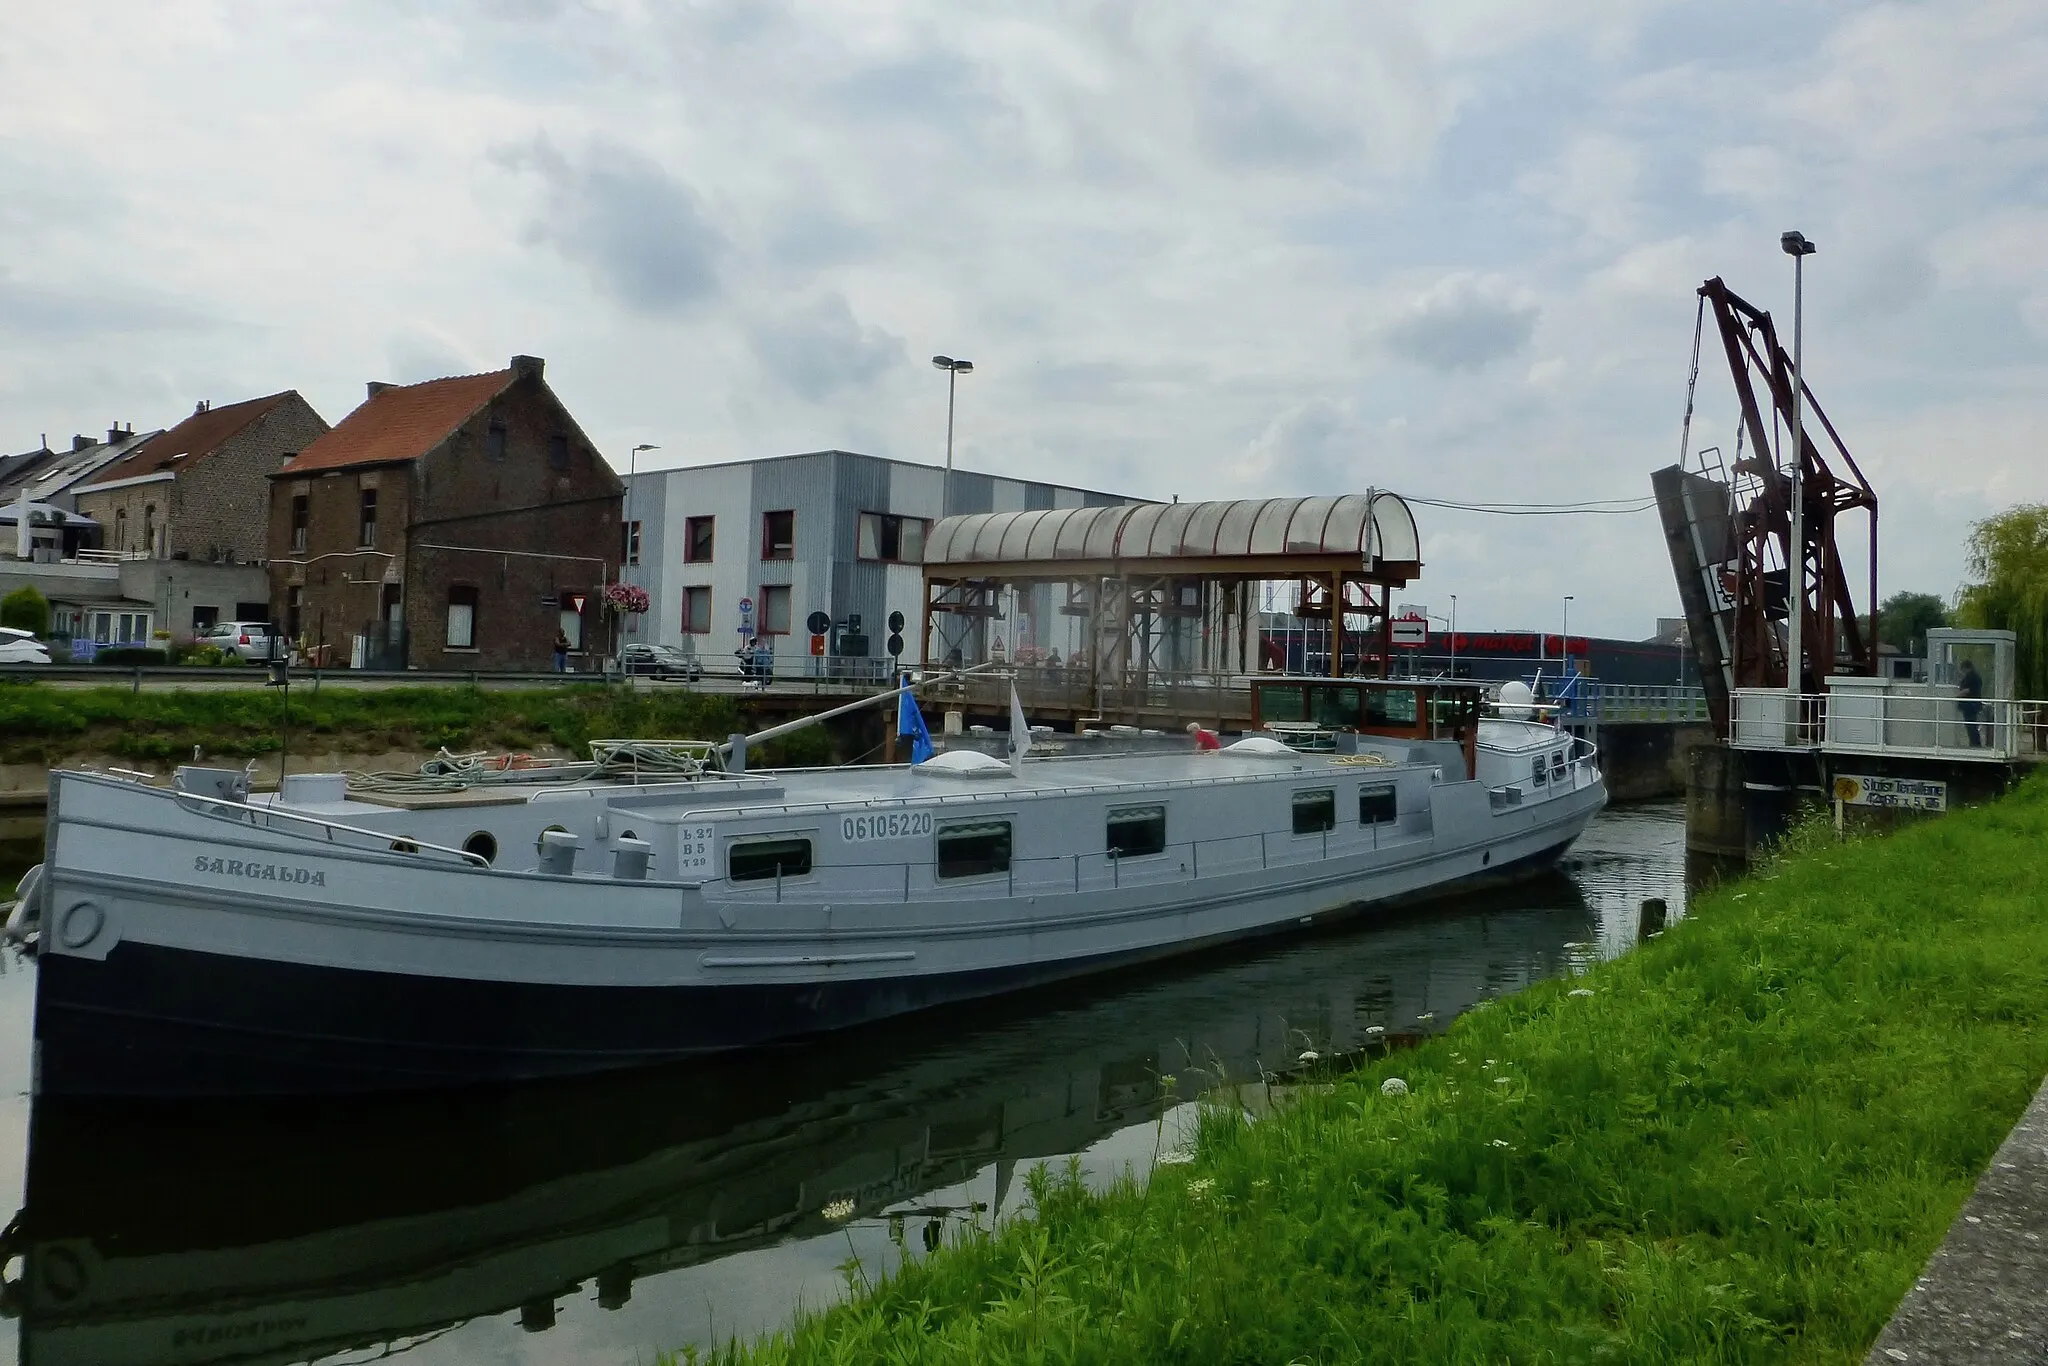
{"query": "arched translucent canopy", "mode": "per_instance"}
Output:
(1370, 527)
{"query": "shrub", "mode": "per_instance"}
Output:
(26, 609)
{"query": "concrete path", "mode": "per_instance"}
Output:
(1983, 1298)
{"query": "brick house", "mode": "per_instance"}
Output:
(455, 524)
(201, 490)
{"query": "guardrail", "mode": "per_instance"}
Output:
(1925, 722)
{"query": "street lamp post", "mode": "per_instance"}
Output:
(632, 468)
(1564, 649)
(1798, 248)
(1454, 635)
(954, 369)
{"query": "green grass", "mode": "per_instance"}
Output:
(1741, 1147)
(41, 724)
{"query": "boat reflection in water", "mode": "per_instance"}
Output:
(278, 1232)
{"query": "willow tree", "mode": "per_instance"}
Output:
(2009, 561)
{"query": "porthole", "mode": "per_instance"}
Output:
(551, 830)
(404, 847)
(628, 835)
(483, 844)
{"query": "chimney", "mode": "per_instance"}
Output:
(201, 406)
(378, 386)
(79, 443)
(528, 367)
(113, 434)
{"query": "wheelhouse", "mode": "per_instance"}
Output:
(1314, 709)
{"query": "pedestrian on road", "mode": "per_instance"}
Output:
(561, 651)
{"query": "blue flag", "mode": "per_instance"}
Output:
(910, 722)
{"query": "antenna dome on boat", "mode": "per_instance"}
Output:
(1517, 703)
(965, 763)
(1258, 744)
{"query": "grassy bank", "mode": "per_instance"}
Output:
(1736, 1144)
(39, 724)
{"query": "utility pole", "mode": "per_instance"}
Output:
(1798, 248)
(954, 369)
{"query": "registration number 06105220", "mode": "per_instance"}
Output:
(892, 825)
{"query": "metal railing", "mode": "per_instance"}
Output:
(1912, 721)
(381, 841)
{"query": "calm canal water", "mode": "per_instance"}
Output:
(601, 1222)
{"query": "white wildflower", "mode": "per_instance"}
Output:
(1309, 1055)
(839, 1209)
(1500, 1081)
(1175, 1159)
(1199, 1189)
(1375, 1029)
(1393, 1086)
(1581, 991)
(1500, 1143)
(1427, 1015)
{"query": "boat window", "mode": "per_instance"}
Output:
(1284, 703)
(1136, 830)
(1390, 707)
(1315, 810)
(483, 844)
(1336, 708)
(759, 860)
(1537, 772)
(973, 848)
(554, 830)
(1376, 804)
(1557, 765)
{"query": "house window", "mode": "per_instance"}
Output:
(120, 536)
(461, 618)
(494, 441)
(366, 521)
(775, 609)
(149, 529)
(697, 540)
(558, 453)
(697, 609)
(203, 618)
(1376, 805)
(629, 542)
(1315, 811)
(974, 848)
(301, 514)
(888, 537)
(1136, 830)
(571, 620)
(759, 860)
(778, 535)
(294, 612)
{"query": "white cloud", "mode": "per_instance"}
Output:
(1161, 233)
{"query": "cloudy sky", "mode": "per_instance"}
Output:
(1448, 249)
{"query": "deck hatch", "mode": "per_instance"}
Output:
(1135, 831)
(760, 860)
(973, 848)
(1315, 810)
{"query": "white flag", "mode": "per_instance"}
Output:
(1020, 732)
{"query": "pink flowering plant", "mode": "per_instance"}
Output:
(626, 597)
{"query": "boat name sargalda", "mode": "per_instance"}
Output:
(898, 825)
(259, 872)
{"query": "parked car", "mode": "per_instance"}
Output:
(662, 661)
(20, 647)
(244, 639)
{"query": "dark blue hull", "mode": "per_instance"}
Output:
(153, 1021)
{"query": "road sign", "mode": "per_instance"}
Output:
(1411, 632)
(895, 644)
(818, 642)
(896, 623)
(819, 622)
(1905, 794)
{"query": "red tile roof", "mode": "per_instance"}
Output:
(197, 437)
(401, 423)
